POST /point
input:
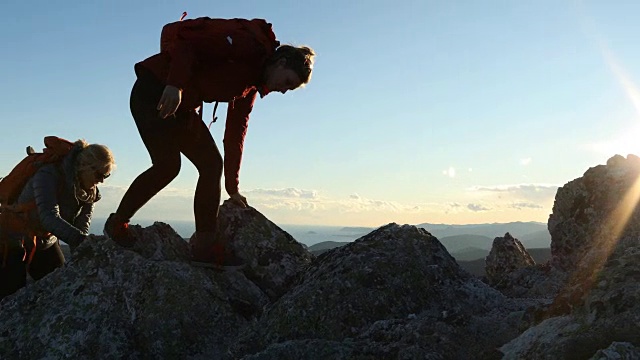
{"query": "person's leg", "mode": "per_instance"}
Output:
(206, 248)
(198, 146)
(158, 136)
(13, 275)
(45, 261)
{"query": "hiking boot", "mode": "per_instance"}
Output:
(207, 251)
(117, 230)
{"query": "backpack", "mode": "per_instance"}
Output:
(11, 185)
(14, 218)
(231, 39)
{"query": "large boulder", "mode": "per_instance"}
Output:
(510, 269)
(274, 258)
(395, 293)
(591, 213)
(595, 231)
(149, 302)
(506, 256)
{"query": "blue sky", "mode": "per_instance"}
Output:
(418, 111)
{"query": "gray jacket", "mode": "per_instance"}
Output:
(58, 210)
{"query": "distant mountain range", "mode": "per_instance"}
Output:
(466, 242)
(517, 229)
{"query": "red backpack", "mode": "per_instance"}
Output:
(11, 185)
(14, 218)
(231, 39)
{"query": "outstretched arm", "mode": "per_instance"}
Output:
(235, 131)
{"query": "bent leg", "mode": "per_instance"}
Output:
(158, 136)
(198, 146)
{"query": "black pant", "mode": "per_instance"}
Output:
(165, 139)
(14, 275)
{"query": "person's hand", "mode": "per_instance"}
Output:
(239, 200)
(169, 101)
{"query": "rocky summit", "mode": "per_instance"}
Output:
(395, 293)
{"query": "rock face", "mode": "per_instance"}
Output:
(393, 294)
(595, 241)
(148, 302)
(274, 258)
(507, 255)
(511, 269)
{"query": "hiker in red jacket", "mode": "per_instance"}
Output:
(205, 60)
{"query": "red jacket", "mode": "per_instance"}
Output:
(193, 66)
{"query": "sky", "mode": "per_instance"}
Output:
(451, 112)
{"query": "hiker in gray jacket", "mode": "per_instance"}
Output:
(63, 195)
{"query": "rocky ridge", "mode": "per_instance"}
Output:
(395, 293)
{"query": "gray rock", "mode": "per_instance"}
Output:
(396, 293)
(148, 302)
(618, 351)
(595, 232)
(506, 256)
(274, 258)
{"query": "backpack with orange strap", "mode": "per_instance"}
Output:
(14, 217)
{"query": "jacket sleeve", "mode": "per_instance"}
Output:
(235, 131)
(83, 220)
(182, 61)
(45, 188)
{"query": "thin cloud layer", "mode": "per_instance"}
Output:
(525, 205)
(537, 192)
(284, 193)
(477, 207)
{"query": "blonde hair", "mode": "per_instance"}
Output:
(93, 156)
(299, 59)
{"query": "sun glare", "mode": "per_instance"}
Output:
(624, 144)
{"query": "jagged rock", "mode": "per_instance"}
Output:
(148, 302)
(618, 351)
(600, 302)
(511, 269)
(274, 258)
(590, 213)
(394, 293)
(507, 255)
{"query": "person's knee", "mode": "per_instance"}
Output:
(212, 168)
(168, 169)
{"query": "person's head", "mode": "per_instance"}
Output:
(93, 164)
(289, 68)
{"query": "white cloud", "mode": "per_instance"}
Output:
(538, 192)
(525, 161)
(477, 207)
(354, 196)
(450, 172)
(292, 193)
(525, 205)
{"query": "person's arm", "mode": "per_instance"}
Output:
(46, 183)
(83, 220)
(234, 133)
(182, 60)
